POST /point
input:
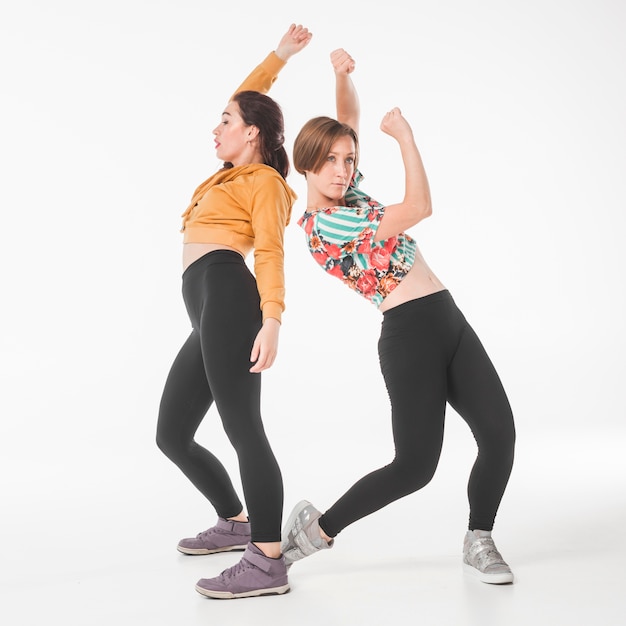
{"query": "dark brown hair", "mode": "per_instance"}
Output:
(315, 141)
(261, 111)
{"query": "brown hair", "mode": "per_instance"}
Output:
(261, 111)
(315, 140)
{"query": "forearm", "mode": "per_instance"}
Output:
(263, 75)
(417, 189)
(347, 101)
(271, 207)
(269, 272)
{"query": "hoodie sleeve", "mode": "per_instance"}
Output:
(263, 75)
(272, 200)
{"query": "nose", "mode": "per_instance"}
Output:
(341, 169)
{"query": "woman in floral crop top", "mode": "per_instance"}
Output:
(341, 240)
(429, 355)
(235, 319)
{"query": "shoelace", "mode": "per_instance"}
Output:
(213, 531)
(236, 569)
(205, 533)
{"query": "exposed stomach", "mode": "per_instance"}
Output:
(193, 251)
(419, 282)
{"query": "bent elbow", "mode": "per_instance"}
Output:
(428, 209)
(422, 210)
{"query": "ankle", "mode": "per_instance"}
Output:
(269, 549)
(239, 518)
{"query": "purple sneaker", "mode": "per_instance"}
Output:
(223, 537)
(255, 575)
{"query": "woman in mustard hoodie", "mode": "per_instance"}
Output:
(235, 317)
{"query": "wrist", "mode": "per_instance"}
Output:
(275, 61)
(283, 55)
(272, 322)
(272, 310)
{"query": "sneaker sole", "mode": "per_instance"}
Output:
(200, 551)
(503, 578)
(295, 513)
(228, 595)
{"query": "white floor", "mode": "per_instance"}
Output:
(99, 548)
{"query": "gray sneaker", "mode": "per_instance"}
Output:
(482, 559)
(301, 534)
(255, 575)
(223, 537)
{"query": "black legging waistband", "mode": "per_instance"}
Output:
(417, 303)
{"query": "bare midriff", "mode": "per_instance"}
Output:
(193, 251)
(419, 282)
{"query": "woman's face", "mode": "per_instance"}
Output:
(233, 137)
(328, 186)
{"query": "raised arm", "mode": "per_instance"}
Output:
(346, 97)
(416, 204)
(264, 75)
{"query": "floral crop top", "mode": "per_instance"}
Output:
(341, 240)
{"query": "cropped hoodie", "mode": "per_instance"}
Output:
(247, 207)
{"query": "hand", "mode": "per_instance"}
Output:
(265, 346)
(342, 62)
(294, 40)
(395, 125)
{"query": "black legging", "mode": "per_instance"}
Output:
(222, 301)
(429, 355)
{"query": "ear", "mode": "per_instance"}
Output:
(253, 132)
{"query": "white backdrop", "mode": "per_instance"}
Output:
(107, 107)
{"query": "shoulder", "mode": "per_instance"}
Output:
(263, 172)
(266, 184)
(258, 175)
(356, 197)
(348, 215)
(268, 175)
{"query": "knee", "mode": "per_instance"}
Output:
(171, 446)
(412, 475)
(244, 435)
(163, 443)
(499, 432)
(498, 444)
(505, 437)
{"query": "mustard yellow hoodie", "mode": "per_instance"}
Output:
(247, 207)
